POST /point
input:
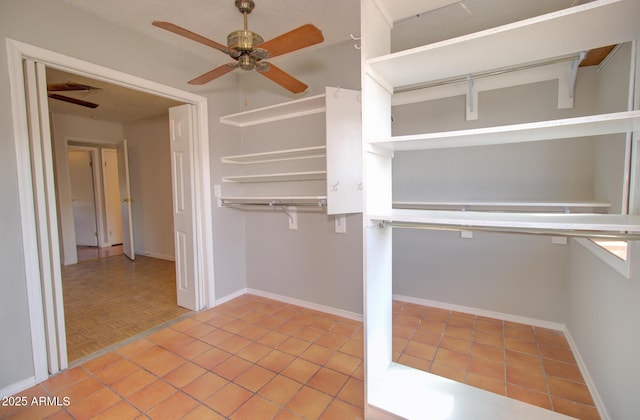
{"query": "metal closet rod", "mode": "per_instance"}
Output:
(485, 74)
(546, 232)
(319, 204)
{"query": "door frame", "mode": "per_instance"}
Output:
(29, 198)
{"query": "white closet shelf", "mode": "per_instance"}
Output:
(592, 25)
(278, 177)
(619, 122)
(401, 9)
(292, 109)
(277, 155)
(588, 224)
(531, 206)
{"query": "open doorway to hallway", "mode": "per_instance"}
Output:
(95, 202)
(195, 281)
(108, 297)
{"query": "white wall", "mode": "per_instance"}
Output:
(57, 26)
(150, 172)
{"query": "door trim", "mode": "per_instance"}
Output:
(18, 51)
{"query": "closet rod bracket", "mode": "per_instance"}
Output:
(575, 64)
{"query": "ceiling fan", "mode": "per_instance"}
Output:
(68, 87)
(248, 49)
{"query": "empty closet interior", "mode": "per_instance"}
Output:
(493, 161)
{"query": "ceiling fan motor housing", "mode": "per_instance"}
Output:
(243, 40)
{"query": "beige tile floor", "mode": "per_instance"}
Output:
(255, 358)
(108, 300)
(86, 253)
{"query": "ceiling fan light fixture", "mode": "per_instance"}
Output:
(246, 62)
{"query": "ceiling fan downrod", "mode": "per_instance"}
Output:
(244, 40)
(245, 7)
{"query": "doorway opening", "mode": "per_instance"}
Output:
(135, 289)
(97, 221)
(38, 197)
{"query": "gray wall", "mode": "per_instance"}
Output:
(512, 274)
(312, 263)
(603, 306)
(603, 311)
(521, 275)
(150, 174)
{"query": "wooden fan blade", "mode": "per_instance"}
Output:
(302, 37)
(178, 30)
(72, 100)
(69, 86)
(213, 74)
(284, 79)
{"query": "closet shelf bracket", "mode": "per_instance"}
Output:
(472, 100)
(575, 64)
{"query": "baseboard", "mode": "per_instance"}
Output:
(231, 296)
(155, 255)
(17, 387)
(482, 312)
(293, 301)
(597, 399)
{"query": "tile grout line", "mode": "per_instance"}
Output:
(544, 371)
(284, 407)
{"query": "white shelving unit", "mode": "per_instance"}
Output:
(407, 392)
(559, 223)
(278, 155)
(293, 109)
(594, 125)
(506, 206)
(319, 200)
(592, 25)
(341, 152)
(278, 177)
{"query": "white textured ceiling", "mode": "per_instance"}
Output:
(115, 103)
(215, 19)
(337, 19)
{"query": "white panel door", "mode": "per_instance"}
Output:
(125, 203)
(111, 188)
(182, 174)
(46, 229)
(83, 201)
